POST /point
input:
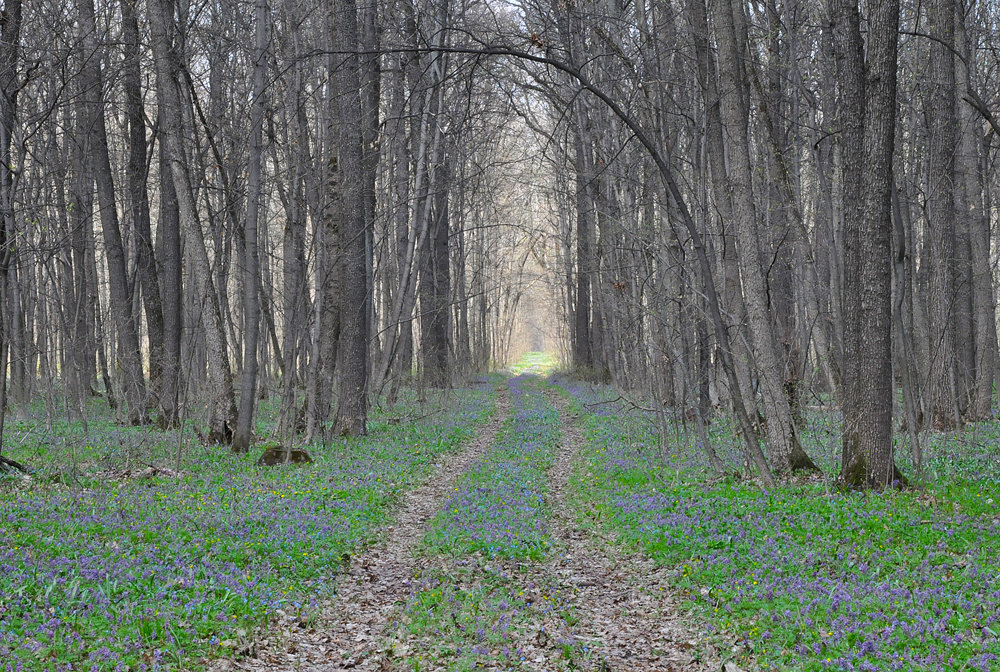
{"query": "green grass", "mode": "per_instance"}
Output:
(160, 573)
(469, 614)
(808, 577)
(537, 363)
(478, 601)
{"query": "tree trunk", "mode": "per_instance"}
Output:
(295, 292)
(904, 337)
(435, 286)
(82, 358)
(129, 352)
(583, 350)
(139, 197)
(716, 151)
(868, 447)
(251, 268)
(782, 436)
(941, 217)
(974, 212)
(223, 403)
(168, 231)
(10, 40)
(352, 404)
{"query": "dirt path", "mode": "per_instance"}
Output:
(595, 607)
(624, 609)
(347, 633)
(623, 619)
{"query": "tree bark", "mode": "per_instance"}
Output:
(243, 434)
(129, 352)
(168, 231)
(223, 403)
(435, 287)
(139, 197)
(868, 447)
(941, 217)
(974, 212)
(10, 41)
(583, 350)
(716, 151)
(782, 435)
(352, 403)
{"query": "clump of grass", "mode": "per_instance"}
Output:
(468, 616)
(480, 602)
(499, 505)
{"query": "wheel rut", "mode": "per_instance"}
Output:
(627, 616)
(624, 616)
(347, 633)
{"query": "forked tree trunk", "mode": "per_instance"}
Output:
(716, 151)
(129, 352)
(139, 197)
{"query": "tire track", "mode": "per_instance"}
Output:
(346, 635)
(628, 619)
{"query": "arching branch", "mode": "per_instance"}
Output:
(746, 426)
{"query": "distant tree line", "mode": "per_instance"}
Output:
(747, 206)
(201, 202)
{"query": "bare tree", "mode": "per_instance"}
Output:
(868, 82)
(251, 261)
(223, 404)
(352, 403)
(10, 40)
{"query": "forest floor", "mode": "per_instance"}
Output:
(595, 607)
(347, 632)
(525, 523)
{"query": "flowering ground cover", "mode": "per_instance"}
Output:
(807, 577)
(475, 598)
(101, 572)
(499, 505)
(156, 574)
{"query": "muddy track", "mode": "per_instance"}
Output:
(347, 633)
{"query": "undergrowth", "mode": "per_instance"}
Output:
(99, 571)
(807, 577)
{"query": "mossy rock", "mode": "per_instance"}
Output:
(275, 455)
